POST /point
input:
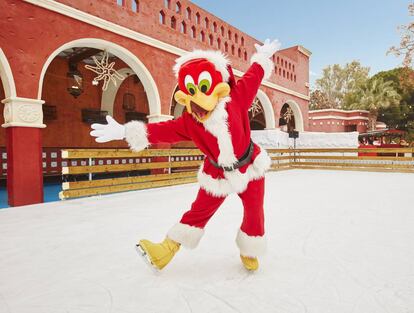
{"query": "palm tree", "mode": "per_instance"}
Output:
(373, 95)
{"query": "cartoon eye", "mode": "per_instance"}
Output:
(189, 84)
(204, 81)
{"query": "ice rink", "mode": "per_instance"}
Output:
(337, 242)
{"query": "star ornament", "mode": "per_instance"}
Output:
(105, 71)
(256, 108)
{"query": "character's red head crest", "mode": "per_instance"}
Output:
(203, 79)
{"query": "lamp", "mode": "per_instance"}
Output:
(74, 80)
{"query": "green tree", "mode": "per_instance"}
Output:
(340, 83)
(318, 100)
(399, 116)
(373, 96)
(406, 47)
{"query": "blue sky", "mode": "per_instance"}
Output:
(335, 31)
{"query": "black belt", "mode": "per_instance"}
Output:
(245, 159)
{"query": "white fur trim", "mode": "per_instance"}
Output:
(251, 246)
(235, 181)
(136, 135)
(219, 60)
(266, 63)
(218, 126)
(188, 236)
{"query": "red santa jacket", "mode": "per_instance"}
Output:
(224, 137)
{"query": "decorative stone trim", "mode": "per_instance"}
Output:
(23, 112)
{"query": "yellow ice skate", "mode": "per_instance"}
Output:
(158, 254)
(250, 263)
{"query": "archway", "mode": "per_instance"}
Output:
(125, 55)
(291, 117)
(6, 76)
(130, 96)
(176, 109)
(7, 90)
(269, 114)
(257, 115)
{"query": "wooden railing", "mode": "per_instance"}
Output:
(103, 171)
(172, 167)
(377, 160)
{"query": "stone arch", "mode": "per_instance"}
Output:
(109, 95)
(297, 113)
(176, 109)
(6, 76)
(127, 56)
(267, 109)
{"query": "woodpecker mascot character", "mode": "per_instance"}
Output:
(217, 121)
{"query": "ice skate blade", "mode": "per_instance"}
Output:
(146, 258)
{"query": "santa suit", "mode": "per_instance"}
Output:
(224, 138)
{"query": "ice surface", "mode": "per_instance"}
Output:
(338, 242)
(275, 138)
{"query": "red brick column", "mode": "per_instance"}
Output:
(23, 122)
(24, 166)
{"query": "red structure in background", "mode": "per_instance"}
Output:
(40, 39)
(337, 121)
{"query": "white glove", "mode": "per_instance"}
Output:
(269, 48)
(107, 132)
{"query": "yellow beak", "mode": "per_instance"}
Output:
(201, 105)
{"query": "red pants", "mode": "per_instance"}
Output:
(205, 205)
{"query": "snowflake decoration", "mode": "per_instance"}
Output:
(288, 115)
(105, 71)
(256, 108)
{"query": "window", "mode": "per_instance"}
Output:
(183, 28)
(198, 18)
(239, 53)
(284, 74)
(232, 49)
(162, 17)
(226, 47)
(135, 6)
(294, 78)
(120, 2)
(188, 14)
(167, 3)
(218, 43)
(285, 64)
(215, 27)
(278, 60)
(202, 36)
(206, 22)
(293, 67)
(236, 38)
(245, 55)
(290, 66)
(173, 23)
(210, 40)
(242, 41)
(193, 32)
(280, 71)
(178, 7)
(229, 34)
(222, 30)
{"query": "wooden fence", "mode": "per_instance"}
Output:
(376, 160)
(103, 171)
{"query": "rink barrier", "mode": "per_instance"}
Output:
(348, 159)
(179, 166)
